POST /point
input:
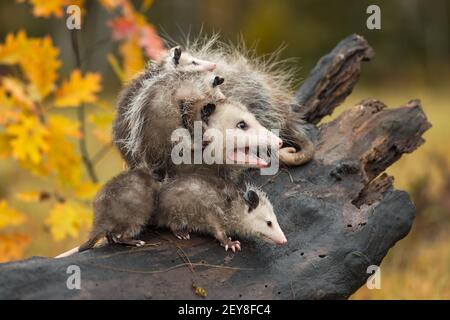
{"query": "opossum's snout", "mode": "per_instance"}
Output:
(212, 66)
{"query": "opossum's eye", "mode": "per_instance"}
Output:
(242, 125)
(194, 63)
(269, 224)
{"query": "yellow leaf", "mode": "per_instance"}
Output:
(40, 65)
(103, 122)
(5, 147)
(19, 91)
(199, 291)
(46, 8)
(12, 50)
(64, 126)
(110, 4)
(146, 4)
(87, 190)
(133, 59)
(12, 246)
(9, 216)
(78, 89)
(38, 59)
(66, 219)
(28, 139)
(63, 158)
(33, 196)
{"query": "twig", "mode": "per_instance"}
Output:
(166, 270)
(82, 118)
(101, 153)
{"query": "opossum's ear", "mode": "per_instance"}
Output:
(218, 81)
(252, 199)
(207, 111)
(176, 55)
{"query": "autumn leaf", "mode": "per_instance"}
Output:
(18, 90)
(12, 246)
(66, 219)
(47, 8)
(33, 196)
(110, 4)
(28, 139)
(133, 59)
(5, 147)
(40, 65)
(9, 216)
(103, 122)
(63, 158)
(151, 42)
(87, 190)
(201, 292)
(78, 89)
(12, 50)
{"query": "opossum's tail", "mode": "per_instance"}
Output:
(290, 156)
(85, 246)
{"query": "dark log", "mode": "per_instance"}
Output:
(340, 213)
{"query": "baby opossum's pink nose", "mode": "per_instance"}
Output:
(282, 241)
(212, 66)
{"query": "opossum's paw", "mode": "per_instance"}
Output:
(182, 235)
(232, 245)
(128, 242)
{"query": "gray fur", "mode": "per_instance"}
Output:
(123, 207)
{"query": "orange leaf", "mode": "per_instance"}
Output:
(12, 246)
(78, 89)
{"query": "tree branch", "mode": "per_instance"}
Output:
(82, 117)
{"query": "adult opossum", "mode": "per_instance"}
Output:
(264, 86)
(212, 205)
(122, 208)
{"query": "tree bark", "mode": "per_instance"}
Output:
(340, 213)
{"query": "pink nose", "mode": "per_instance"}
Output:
(213, 66)
(282, 241)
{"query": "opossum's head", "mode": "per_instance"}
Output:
(260, 220)
(243, 137)
(199, 89)
(180, 60)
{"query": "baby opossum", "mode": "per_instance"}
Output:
(212, 205)
(264, 87)
(122, 208)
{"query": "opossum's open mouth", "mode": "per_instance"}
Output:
(246, 157)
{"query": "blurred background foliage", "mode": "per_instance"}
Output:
(45, 190)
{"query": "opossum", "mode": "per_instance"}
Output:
(122, 208)
(264, 86)
(145, 122)
(212, 205)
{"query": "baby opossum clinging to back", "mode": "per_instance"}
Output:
(212, 205)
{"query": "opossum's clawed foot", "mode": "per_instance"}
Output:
(126, 242)
(182, 235)
(230, 244)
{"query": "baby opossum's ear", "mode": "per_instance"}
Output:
(218, 81)
(207, 111)
(176, 54)
(252, 199)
